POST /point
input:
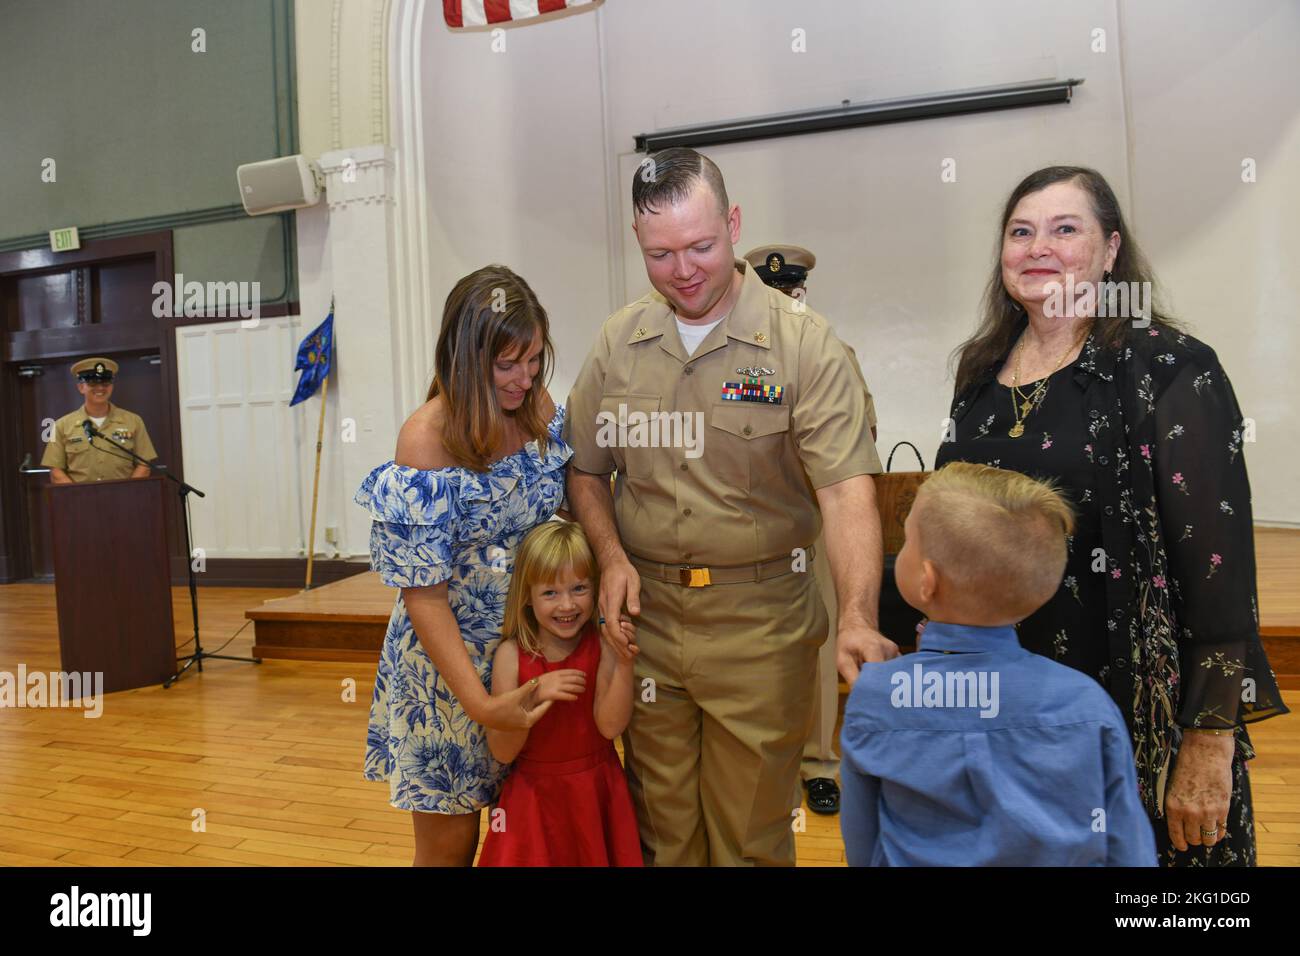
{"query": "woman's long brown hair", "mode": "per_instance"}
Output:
(1001, 315)
(489, 314)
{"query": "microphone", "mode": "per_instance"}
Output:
(88, 427)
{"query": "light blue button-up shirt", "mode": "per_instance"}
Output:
(976, 752)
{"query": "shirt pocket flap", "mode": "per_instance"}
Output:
(627, 404)
(624, 426)
(750, 420)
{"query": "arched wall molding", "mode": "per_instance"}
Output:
(413, 305)
(342, 67)
(379, 19)
(336, 107)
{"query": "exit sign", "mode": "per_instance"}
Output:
(65, 240)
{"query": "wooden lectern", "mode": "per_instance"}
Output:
(112, 579)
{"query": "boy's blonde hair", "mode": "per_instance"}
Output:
(997, 535)
(543, 556)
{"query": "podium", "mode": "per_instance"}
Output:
(112, 580)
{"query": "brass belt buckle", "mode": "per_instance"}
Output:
(694, 577)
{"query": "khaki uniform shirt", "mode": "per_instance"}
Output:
(871, 402)
(69, 450)
(745, 491)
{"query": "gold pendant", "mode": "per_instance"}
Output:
(1017, 430)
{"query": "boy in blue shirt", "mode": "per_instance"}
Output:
(974, 751)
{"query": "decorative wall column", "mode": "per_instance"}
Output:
(364, 246)
(417, 314)
(359, 188)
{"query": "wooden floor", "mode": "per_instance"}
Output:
(271, 753)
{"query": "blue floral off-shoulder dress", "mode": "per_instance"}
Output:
(460, 526)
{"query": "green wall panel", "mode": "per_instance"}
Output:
(245, 250)
(146, 133)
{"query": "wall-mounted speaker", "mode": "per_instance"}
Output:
(275, 185)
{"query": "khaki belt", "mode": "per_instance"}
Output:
(695, 576)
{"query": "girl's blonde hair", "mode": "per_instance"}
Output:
(546, 552)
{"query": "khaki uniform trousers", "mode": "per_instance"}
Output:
(713, 759)
(819, 756)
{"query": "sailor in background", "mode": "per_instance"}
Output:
(72, 455)
(786, 267)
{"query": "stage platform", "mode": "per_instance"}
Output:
(346, 620)
(1277, 573)
(341, 621)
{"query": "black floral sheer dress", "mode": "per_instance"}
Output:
(1158, 598)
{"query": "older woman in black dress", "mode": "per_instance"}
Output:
(1139, 425)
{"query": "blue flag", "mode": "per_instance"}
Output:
(315, 358)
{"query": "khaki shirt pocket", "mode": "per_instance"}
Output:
(627, 426)
(77, 451)
(750, 447)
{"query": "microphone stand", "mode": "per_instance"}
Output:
(184, 489)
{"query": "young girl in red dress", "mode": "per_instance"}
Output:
(565, 802)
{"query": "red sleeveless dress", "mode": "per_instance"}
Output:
(566, 801)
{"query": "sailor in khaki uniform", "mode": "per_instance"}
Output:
(72, 455)
(786, 267)
(735, 422)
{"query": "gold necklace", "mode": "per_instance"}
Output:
(1022, 404)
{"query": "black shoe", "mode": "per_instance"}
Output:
(823, 795)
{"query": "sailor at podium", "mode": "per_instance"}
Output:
(72, 454)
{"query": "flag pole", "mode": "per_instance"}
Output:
(315, 485)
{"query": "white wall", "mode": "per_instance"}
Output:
(525, 157)
(517, 173)
(1205, 92)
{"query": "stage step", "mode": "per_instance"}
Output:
(1277, 567)
(342, 621)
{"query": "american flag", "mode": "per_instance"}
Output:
(477, 13)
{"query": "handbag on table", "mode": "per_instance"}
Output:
(895, 495)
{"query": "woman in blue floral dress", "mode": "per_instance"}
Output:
(477, 467)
